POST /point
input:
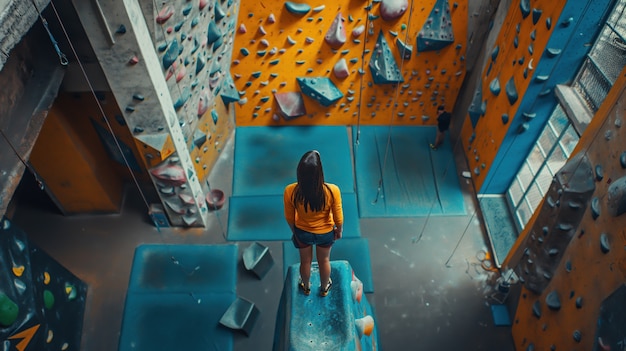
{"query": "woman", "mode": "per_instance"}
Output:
(314, 214)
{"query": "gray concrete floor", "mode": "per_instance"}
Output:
(430, 290)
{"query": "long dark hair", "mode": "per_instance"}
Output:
(310, 188)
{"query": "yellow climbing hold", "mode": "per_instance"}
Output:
(46, 278)
(68, 289)
(65, 346)
(18, 270)
(50, 336)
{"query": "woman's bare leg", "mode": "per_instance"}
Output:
(323, 260)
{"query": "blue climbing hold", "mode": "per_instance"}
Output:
(321, 89)
(383, 65)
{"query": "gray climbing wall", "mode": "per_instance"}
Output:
(168, 66)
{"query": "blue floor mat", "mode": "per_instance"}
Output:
(354, 250)
(499, 224)
(263, 218)
(176, 297)
(266, 158)
(416, 181)
(184, 268)
(175, 321)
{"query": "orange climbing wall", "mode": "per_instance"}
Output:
(430, 78)
(490, 130)
(69, 156)
(593, 275)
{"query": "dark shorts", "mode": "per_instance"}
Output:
(303, 239)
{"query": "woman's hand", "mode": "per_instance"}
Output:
(338, 232)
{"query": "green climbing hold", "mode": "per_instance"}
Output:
(9, 310)
(48, 299)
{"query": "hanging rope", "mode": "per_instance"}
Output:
(39, 182)
(393, 110)
(62, 58)
(105, 118)
(362, 73)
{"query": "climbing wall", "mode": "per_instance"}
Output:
(571, 261)
(41, 303)
(77, 157)
(194, 42)
(380, 62)
(511, 66)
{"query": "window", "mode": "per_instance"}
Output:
(551, 151)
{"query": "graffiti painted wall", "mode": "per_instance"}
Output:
(41, 303)
(305, 63)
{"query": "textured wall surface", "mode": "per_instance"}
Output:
(274, 46)
(509, 70)
(168, 66)
(574, 307)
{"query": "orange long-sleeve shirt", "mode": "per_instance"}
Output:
(320, 222)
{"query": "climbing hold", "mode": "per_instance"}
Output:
(568, 266)
(341, 69)
(404, 49)
(356, 32)
(171, 54)
(494, 86)
(595, 208)
(364, 326)
(393, 9)
(336, 35)
(505, 118)
(242, 29)
(511, 91)
(320, 89)
(525, 8)
(165, 14)
(213, 33)
(121, 29)
(219, 12)
(549, 23)
(533, 34)
(298, 9)
(9, 310)
(516, 41)
(529, 116)
(577, 335)
(537, 309)
(290, 104)
(290, 40)
(553, 52)
(200, 63)
(48, 299)
(579, 302)
(567, 22)
(494, 53)
(437, 32)
(617, 197)
(541, 78)
(383, 65)
(599, 173)
(536, 15)
(523, 127)
(553, 301)
(605, 245)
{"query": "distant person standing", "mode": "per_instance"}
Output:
(443, 124)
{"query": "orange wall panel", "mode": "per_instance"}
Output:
(78, 179)
(430, 77)
(490, 130)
